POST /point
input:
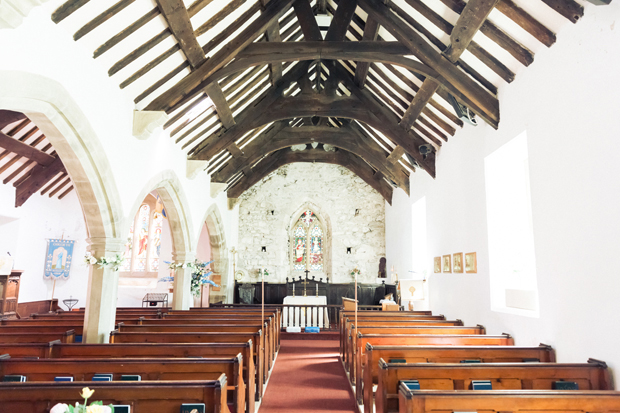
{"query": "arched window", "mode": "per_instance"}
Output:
(143, 247)
(307, 237)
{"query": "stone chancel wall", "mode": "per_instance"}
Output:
(352, 212)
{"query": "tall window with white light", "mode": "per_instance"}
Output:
(512, 261)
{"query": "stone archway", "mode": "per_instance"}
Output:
(48, 104)
(219, 253)
(168, 186)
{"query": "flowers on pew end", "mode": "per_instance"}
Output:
(95, 407)
(355, 272)
(103, 262)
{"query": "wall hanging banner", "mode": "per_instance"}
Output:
(58, 258)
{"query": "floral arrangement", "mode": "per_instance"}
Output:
(95, 407)
(200, 274)
(355, 272)
(115, 263)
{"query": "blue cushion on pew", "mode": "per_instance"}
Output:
(312, 329)
(77, 339)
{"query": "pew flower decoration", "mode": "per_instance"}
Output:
(103, 262)
(356, 272)
(95, 407)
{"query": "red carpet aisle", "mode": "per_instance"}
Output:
(308, 377)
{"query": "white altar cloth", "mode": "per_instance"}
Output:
(298, 316)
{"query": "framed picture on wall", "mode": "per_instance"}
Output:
(457, 260)
(437, 266)
(447, 263)
(471, 264)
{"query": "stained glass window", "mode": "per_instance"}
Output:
(316, 249)
(158, 220)
(143, 246)
(127, 254)
(299, 259)
(307, 242)
(143, 238)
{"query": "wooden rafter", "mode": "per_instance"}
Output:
(286, 156)
(23, 149)
(344, 138)
(371, 31)
(178, 20)
(485, 105)
(37, 179)
(8, 116)
(274, 11)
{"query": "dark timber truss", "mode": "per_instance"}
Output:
(244, 81)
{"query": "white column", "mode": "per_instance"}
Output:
(182, 299)
(102, 293)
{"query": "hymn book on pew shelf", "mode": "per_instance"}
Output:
(14, 378)
(121, 408)
(193, 408)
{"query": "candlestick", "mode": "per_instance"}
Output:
(293, 288)
(317, 289)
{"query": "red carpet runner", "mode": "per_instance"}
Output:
(308, 377)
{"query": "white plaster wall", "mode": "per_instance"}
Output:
(23, 233)
(43, 48)
(337, 192)
(567, 101)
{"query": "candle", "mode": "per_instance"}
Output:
(317, 289)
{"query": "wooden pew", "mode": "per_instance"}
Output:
(275, 312)
(415, 340)
(185, 337)
(269, 327)
(31, 350)
(448, 354)
(350, 344)
(383, 316)
(260, 348)
(144, 397)
(514, 401)
(593, 375)
(168, 350)
(66, 337)
(389, 321)
(150, 369)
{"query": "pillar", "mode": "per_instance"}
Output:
(102, 293)
(182, 299)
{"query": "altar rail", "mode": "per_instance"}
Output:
(326, 317)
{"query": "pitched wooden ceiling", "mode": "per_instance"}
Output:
(28, 160)
(248, 83)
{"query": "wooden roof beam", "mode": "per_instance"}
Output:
(23, 149)
(307, 21)
(341, 21)
(39, 176)
(471, 19)
(371, 31)
(273, 35)
(281, 137)
(286, 156)
(179, 22)
(8, 116)
(272, 13)
(485, 104)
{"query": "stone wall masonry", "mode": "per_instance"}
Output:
(352, 212)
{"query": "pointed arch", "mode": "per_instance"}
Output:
(323, 218)
(48, 104)
(169, 188)
(219, 250)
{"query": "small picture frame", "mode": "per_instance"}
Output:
(447, 263)
(457, 262)
(437, 264)
(471, 263)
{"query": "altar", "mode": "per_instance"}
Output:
(299, 317)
